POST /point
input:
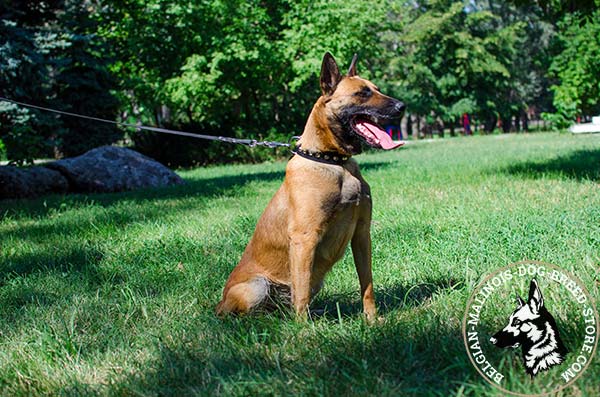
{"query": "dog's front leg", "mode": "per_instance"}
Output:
(361, 250)
(303, 243)
(312, 197)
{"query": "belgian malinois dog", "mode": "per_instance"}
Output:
(323, 203)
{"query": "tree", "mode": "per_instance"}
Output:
(212, 67)
(455, 60)
(24, 76)
(577, 69)
(50, 59)
(83, 83)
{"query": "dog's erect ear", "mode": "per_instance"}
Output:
(536, 300)
(330, 75)
(520, 302)
(352, 69)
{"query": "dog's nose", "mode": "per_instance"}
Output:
(400, 107)
(493, 340)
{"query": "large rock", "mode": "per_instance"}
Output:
(113, 169)
(30, 182)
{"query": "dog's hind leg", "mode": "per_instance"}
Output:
(241, 298)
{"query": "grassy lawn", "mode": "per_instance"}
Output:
(113, 294)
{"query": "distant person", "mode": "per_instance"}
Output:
(466, 124)
(390, 130)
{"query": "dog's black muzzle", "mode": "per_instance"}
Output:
(504, 339)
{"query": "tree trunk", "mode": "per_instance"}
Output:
(506, 124)
(418, 126)
(489, 124)
(525, 121)
(404, 126)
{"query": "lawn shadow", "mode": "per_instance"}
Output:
(61, 231)
(580, 165)
(413, 352)
(393, 358)
(75, 265)
(193, 187)
(387, 299)
(72, 259)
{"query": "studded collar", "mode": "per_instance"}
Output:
(333, 158)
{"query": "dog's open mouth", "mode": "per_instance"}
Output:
(373, 134)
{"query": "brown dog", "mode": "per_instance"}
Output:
(323, 203)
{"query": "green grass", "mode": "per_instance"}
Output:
(114, 294)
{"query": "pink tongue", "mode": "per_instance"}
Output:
(373, 133)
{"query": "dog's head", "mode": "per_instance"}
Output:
(526, 325)
(355, 109)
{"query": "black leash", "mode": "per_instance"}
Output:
(247, 142)
(333, 158)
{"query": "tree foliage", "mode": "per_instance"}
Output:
(236, 68)
(577, 68)
(458, 61)
(51, 56)
(249, 68)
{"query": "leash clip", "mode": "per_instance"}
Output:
(269, 144)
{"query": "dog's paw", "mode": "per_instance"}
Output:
(301, 316)
(374, 319)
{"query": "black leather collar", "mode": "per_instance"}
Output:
(333, 158)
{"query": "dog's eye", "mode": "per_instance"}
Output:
(364, 93)
(516, 322)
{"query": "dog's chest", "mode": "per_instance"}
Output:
(350, 199)
(343, 211)
(350, 195)
(352, 191)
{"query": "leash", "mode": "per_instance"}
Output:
(333, 158)
(248, 142)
